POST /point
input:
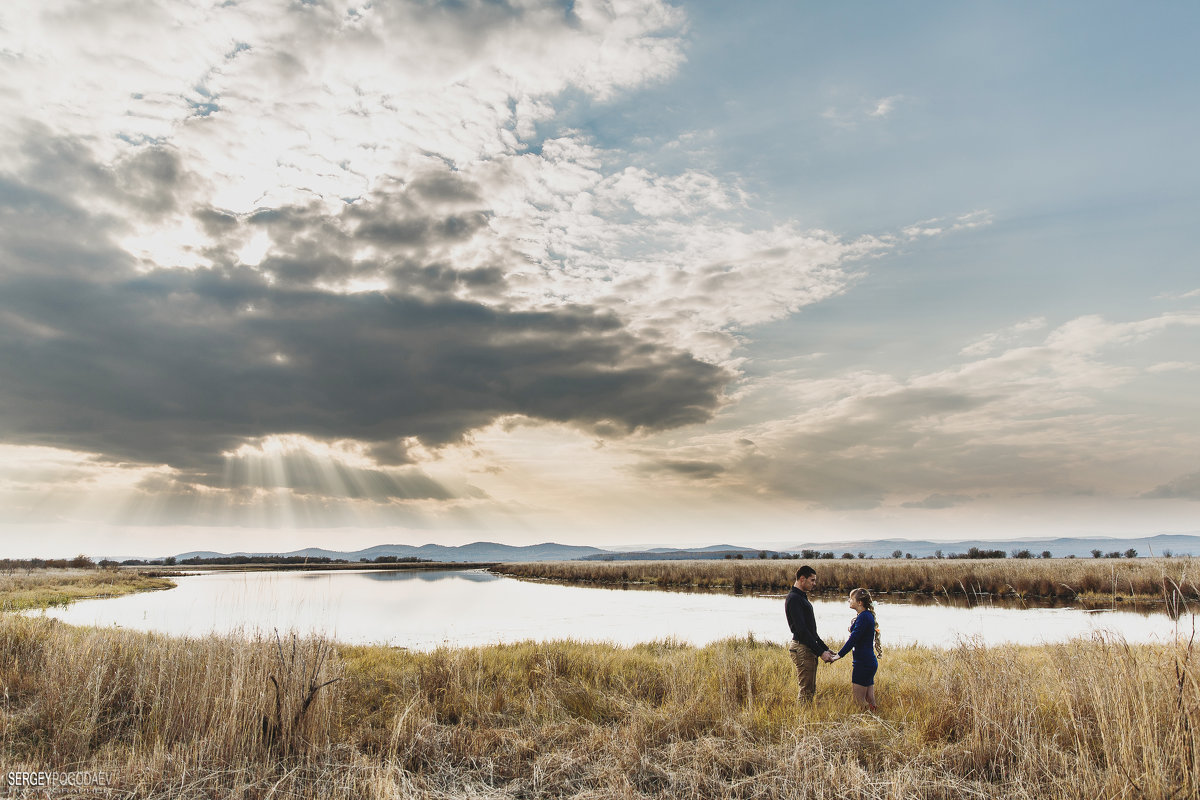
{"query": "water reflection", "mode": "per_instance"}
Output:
(428, 609)
(476, 576)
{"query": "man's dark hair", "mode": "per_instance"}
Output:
(805, 571)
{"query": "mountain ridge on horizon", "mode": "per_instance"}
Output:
(1058, 547)
(1080, 546)
(474, 551)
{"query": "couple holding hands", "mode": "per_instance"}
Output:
(806, 646)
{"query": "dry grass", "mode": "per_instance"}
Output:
(173, 717)
(1098, 580)
(60, 587)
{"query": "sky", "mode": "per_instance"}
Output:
(278, 274)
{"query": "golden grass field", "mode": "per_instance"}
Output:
(1093, 581)
(222, 716)
(177, 717)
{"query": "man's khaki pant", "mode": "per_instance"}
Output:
(806, 670)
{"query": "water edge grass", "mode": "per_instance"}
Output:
(45, 588)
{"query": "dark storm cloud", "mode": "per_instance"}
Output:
(698, 470)
(147, 181)
(445, 187)
(176, 366)
(42, 233)
(150, 180)
(403, 229)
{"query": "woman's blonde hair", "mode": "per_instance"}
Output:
(864, 596)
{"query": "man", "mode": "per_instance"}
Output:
(806, 646)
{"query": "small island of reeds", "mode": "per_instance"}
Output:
(25, 586)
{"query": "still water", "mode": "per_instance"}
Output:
(427, 609)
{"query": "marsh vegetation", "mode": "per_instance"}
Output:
(47, 587)
(1087, 581)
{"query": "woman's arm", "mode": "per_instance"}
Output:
(856, 630)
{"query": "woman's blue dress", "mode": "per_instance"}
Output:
(862, 641)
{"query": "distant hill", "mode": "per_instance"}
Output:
(1081, 547)
(476, 551)
(669, 554)
(712, 548)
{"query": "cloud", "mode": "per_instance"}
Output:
(103, 353)
(943, 225)
(176, 367)
(297, 77)
(862, 111)
(885, 106)
(1174, 366)
(227, 224)
(1178, 296)
(1022, 419)
(695, 470)
(1006, 337)
(30, 468)
(666, 252)
(1185, 487)
(938, 501)
(295, 232)
(424, 121)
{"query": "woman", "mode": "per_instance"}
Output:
(864, 641)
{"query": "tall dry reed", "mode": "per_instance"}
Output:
(77, 696)
(1142, 578)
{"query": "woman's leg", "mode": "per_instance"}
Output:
(871, 697)
(860, 694)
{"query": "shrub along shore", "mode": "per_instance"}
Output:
(223, 716)
(1087, 581)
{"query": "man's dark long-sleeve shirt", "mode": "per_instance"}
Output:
(802, 622)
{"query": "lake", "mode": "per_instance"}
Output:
(426, 609)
